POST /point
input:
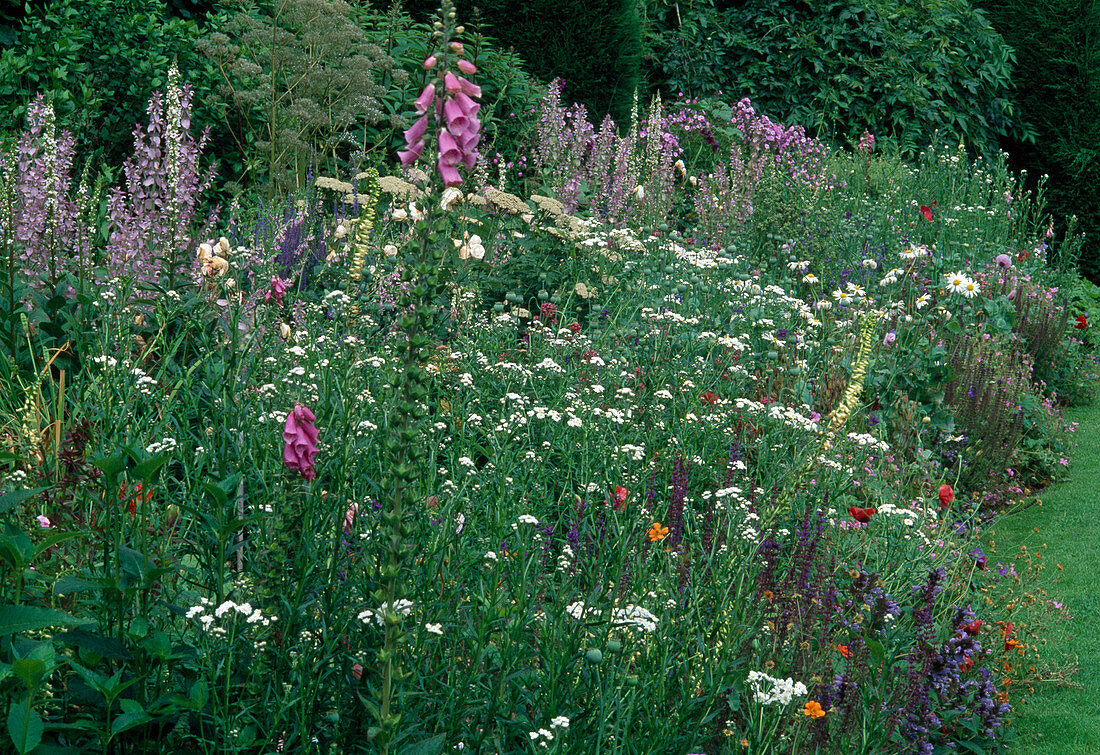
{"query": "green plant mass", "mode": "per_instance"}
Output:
(371, 391)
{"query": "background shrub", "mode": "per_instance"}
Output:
(907, 69)
(594, 45)
(98, 63)
(1058, 92)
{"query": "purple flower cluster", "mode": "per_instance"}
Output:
(152, 213)
(45, 218)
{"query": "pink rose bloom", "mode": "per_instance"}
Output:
(300, 437)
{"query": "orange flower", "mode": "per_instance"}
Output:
(844, 651)
(813, 709)
(657, 532)
(769, 596)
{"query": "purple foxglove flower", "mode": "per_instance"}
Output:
(424, 101)
(449, 174)
(416, 131)
(411, 155)
(457, 122)
(449, 151)
(467, 67)
(469, 107)
(455, 84)
(300, 437)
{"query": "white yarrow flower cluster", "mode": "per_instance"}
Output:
(767, 690)
(160, 446)
(543, 737)
(208, 616)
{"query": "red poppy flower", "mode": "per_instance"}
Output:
(708, 398)
(861, 515)
(1082, 322)
(1023, 255)
(620, 496)
(973, 627)
(947, 495)
(966, 664)
(927, 212)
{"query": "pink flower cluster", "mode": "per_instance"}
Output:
(461, 131)
(300, 437)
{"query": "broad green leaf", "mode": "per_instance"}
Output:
(25, 726)
(16, 619)
(9, 501)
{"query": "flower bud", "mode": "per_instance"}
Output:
(171, 516)
(429, 62)
(457, 47)
(284, 330)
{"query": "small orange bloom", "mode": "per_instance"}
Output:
(813, 709)
(657, 532)
(844, 651)
(769, 596)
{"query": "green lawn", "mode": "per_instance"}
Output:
(1057, 718)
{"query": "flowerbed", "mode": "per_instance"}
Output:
(688, 458)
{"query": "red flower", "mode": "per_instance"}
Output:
(844, 651)
(1082, 322)
(973, 627)
(620, 496)
(708, 398)
(1010, 637)
(861, 515)
(132, 503)
(927, 212)
(966, 664)
(1023, 255)
(947, 495)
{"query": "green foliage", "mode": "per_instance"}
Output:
(98, 63)
(299, 81)
(594, 45)
(908, 69)
(1058, 92)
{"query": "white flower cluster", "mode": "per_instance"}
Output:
(631, 616)
(209, 618)
(779, 691)
(145, 384)
(109, 361)
(543, 737)
(525, 519)
(961, 283)
(160, 446)
(565, 560)
(402, 608)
